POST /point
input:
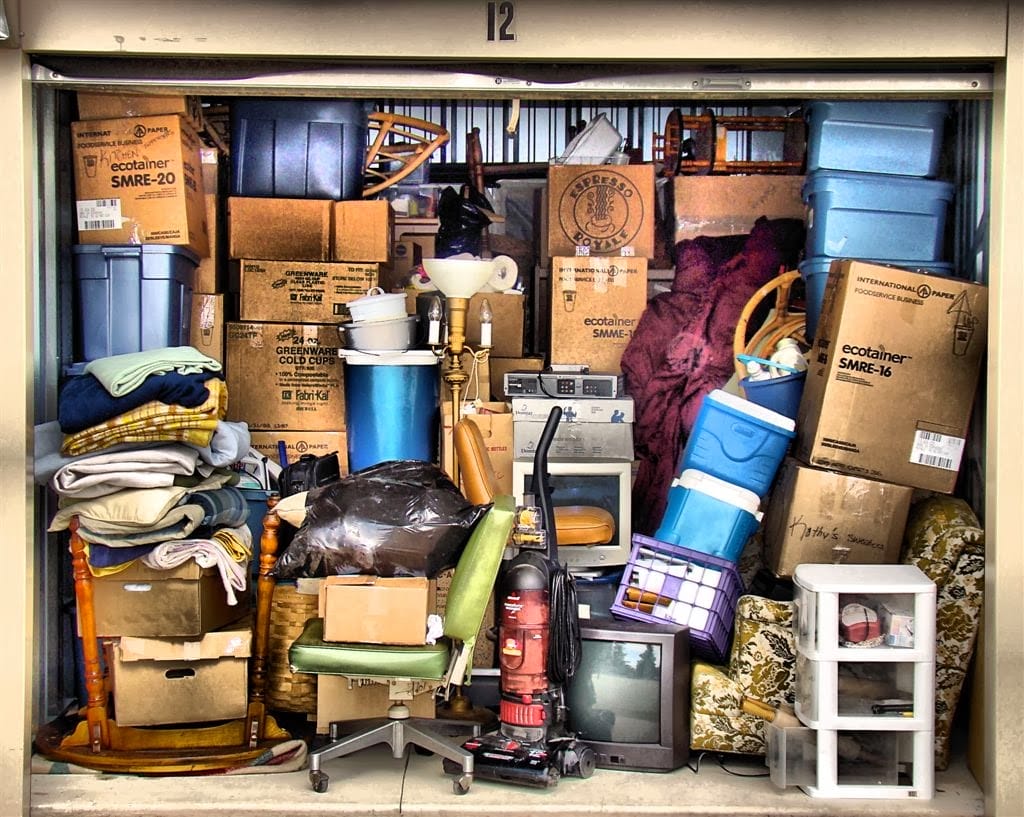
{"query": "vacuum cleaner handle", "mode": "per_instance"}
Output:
(540, 486)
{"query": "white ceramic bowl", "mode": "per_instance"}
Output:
(377, 305)
(380, 336)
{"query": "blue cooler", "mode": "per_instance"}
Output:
(391, 406)
(709, 515)
(738, 441)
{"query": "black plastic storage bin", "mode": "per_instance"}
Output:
(131, 297)
(298, 148)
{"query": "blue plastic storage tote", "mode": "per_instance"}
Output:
(738, 441)
(903, 138)
(871, 215)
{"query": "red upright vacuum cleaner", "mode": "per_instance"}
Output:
(539, 650)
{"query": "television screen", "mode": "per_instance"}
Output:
(629, 699)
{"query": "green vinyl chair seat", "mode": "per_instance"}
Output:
(310, 653)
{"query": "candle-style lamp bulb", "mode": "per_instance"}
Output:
(486, 319)
(434, 315)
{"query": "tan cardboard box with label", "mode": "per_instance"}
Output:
(892, 375)
(603, 209)
(211, 274)
(99, 105)
(363, 231)
(207, 330)
(164, 681)
(138, 181)
(495, 423)
(302, 291)
(297, 443)
(279, 229)
(376, 609)
(284, 376)
(729, 205)
(596, 304)
(823, 517)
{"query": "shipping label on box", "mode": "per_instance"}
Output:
(302, 291)
(275, 229)
(892, 375)
(574, 409)
(138, 181)
(363, 230)
(823, 517)
(601, 210)
(495, 424)
(596, 304)
(573, 441)
(377, 610)
(729, 205)
(285, 377)
(297, 443)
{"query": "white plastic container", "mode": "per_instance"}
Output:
(377, 305)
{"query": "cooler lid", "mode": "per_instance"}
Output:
(766, 415)
(717, 488)
(412, 357)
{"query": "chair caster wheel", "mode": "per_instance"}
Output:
(462, 783)
(319, 781)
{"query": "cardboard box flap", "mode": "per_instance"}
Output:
(233, 643)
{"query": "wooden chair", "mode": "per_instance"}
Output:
(97, 742)
(786, 321)
(399, 146)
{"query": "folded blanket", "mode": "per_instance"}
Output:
(48, 460)
(230, 443)
(179, 523)
(132, 508)
(155, 422)
(222, 507)
(107, 472)
(120, 374)
(104, 560)
(85, 402)
(206, 553)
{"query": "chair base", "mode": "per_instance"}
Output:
(398, 733)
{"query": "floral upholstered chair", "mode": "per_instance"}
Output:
(760, 667)
(945, 540)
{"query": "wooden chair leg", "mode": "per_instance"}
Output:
(261, 626)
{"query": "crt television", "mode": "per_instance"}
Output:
(603, 483)
(630, 698)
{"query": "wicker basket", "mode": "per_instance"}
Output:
(286, 690)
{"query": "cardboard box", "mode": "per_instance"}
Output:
(102, 105)
(211, 274)
(279, 229)
(184, 602)
(138, 181)
(297, 443)
(207, 329)
(302, 291)
(574, 409)
(495, 423)
(822, 517)
(164, 681)
(363, 230)
(508, 314)
(500, 365)
(892, 375)
(729, 205)
(341, 699)
(285, 376)
(377, 610)
(573, 441)
(601, 209)
(596, 304)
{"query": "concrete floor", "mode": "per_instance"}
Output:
(373, 782)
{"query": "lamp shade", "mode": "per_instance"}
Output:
(458, 277)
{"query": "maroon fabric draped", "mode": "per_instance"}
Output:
(682, 347)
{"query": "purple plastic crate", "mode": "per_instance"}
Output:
(681, 586)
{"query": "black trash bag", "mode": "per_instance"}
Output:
(397, 518)
(462, 219)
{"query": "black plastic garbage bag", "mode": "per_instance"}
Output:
(462, 219)
(397, 518)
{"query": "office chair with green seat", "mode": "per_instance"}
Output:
(410, 670)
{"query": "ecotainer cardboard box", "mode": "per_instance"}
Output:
(138, 181)
(729, 205)
(601, 210)
(206, 332)
(494, 420)
(297, 443)
(363, 230)
(274, 229)
(99, 105)
(183, 602)
(892, 375)
(596, 304)
(166, 681)
(824, 517)
(302, 291)
(377, 609)
(285, 376)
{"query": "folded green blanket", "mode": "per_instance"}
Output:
(120, 374)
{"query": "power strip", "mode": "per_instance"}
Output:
(563, 384)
